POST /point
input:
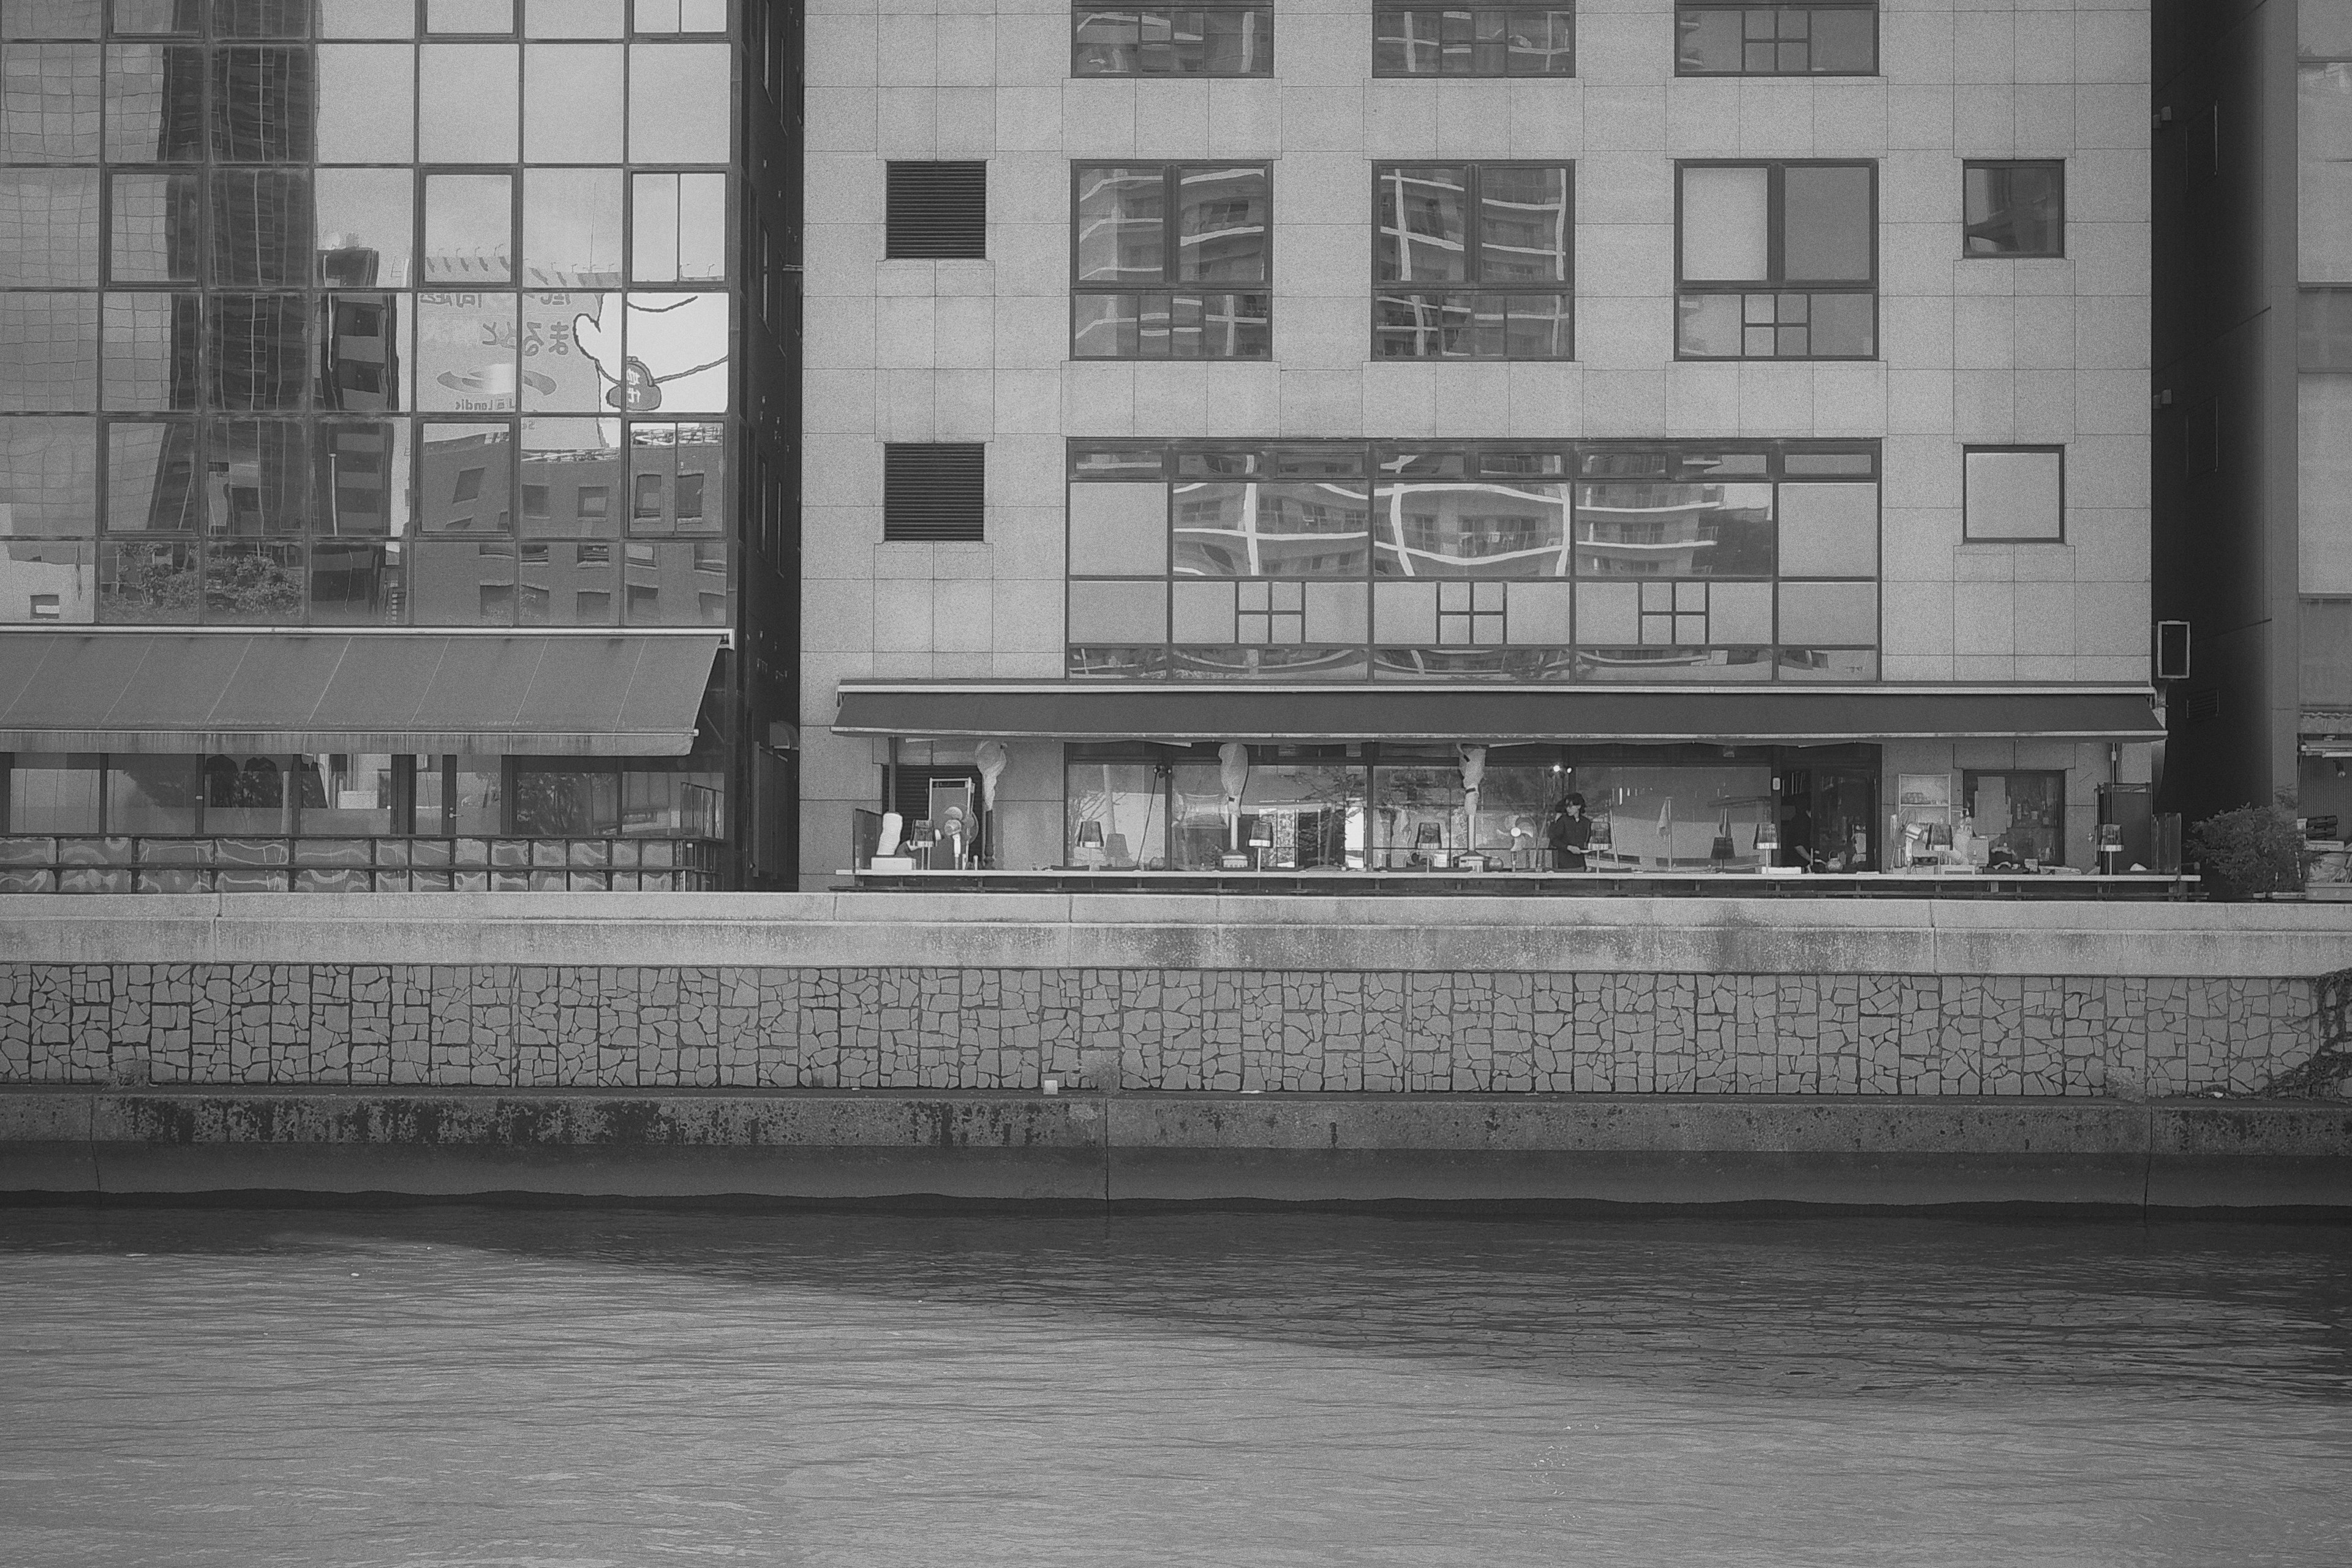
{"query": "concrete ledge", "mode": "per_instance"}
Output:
(1147, 1149)
(1039, 931)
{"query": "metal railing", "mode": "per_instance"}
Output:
(34, 863)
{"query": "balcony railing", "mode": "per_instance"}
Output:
(46, 864)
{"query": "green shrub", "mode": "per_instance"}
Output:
(2252, 851)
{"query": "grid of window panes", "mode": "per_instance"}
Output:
(2323, 363)
(1171, 261)
(1475, 41)
(366, 312)
(1588, 560)
(1776, 260)
(1739, 37)
(1161, 40)
(1473, 261)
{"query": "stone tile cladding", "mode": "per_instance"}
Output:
(519, 1026)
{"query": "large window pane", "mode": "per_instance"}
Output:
(253, 583)
(460, 581)
(260, 235)
(674, 585)
(154, 794)
(365, 364)
(155, 228)
(571, 470)
(246, 795)
(52, 93)
(572, 228)
(1271, 530)
(680, 99)
(1469, 527)
(466, 353)
(468, 100)
(469, 228)
(48, 227)
(156, 582)
(362, 478)
(367, 104)
(48, 477)
(48, 582)
(570, 93)
(464, 478)
(260, 472)
(558, 376)
(1523, 224)
(680, 225)
(1826, 225)
(2324, 471)
(1726, 225)
(677, 480)
(151, 477)
(1673, 530)
(2325, 126)
(54, 792)
(1424, 223)
(675, 360)
(48, 343)
(1120, 217)
(264, 105)
(50, 19)
(261, 348)
(366, 220)
(1220, 226)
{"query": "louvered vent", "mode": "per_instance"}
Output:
(933, 491)
(938, 212)
(2205, 704)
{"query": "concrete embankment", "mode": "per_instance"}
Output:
(1475, 1150)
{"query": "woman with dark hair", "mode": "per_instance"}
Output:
(1569, 832)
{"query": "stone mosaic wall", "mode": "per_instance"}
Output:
(519, 1026)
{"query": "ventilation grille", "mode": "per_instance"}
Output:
(933, 491)
(2204, 704)
(938, 212)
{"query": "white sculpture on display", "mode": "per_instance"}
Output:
(1232, 773)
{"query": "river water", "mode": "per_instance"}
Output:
(552, 1389)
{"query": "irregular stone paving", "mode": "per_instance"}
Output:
(509, 1025)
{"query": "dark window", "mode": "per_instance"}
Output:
(648, 501)
(1487, 41)
(468, 486)
(934, 490)
(534, 500)
(2013, 209)
(1777, 261)
(596, 501)
(937, 211)
(689, 496)
(1171, 262)
(1472, 261)
(1741, 37)
(2324, 329)
(1207, 40)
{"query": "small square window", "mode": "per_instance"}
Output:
(2013, 209)
(596, 501)
(2014, 495)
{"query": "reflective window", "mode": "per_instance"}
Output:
(154, 794)
(569, 91)
(261, 236)
(468, 228)
(574, 18)
(260, 351)
(2013, 209)
(48, 227)
(679, 99)
(258, 477)
(48, 341)
(253, 581)
(466, 350)
(151, 472)
(467, 96)
(572, 228)
(1604, 560)
(366, 224)
(570, 470)
(678, 228)
(1215, 40)
(264, 105)
(1744, 37)
(52, 95)
(2325, 172)
(51, 19)
(470, 15)
(681, 16)
(155, 227)
(54, 792)
(1190, 227)
(1472, 261)
(1778, 260)
(367, 105)
(48, 477)
(464, 479)
(1475, 41)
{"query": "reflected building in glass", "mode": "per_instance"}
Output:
(339, 331)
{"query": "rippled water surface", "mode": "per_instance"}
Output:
(498, 1387)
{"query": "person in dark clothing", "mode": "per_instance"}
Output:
(1570, 833)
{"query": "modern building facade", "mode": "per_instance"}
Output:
(2254, 320)
(395, 444)
(1735, 414)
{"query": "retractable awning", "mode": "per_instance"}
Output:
(1775, 714)
(631, 695)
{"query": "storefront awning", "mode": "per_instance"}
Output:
(1072, 711)
(629, 695)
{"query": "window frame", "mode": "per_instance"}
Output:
(1077, 11)
(1775, 248)
(1877, 38)
(1575, 45)
(1171, 173)
(1971, 449)
(1473, 249)
(1971, 164)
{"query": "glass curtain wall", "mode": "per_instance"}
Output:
(363, 314)
(2324, 553)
